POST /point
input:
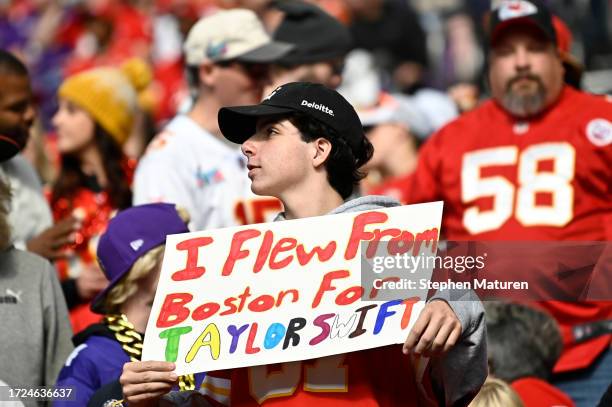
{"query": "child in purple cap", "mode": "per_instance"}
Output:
(130, 253)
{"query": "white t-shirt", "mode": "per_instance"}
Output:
(30, 214)
(190, 167)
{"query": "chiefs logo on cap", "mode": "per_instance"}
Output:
(516, 9)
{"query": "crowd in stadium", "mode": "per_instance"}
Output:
(124, 121)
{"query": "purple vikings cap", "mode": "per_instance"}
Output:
(130, 235)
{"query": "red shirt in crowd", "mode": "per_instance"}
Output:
(548, 178)
(94, 209)
(381, 377)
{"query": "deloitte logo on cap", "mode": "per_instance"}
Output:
(317, 106)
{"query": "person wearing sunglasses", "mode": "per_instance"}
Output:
(227, 55)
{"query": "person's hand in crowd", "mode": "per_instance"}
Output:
(91, 281)
(144, 383)
(435, 332)
(465, 95)
(49, 244)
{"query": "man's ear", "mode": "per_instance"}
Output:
(322, 150)
(207, 73)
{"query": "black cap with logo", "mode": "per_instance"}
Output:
(510, 13)
(317, 101)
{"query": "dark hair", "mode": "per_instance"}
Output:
(192, 76)
(71, 177)
(10, 64)
(521, 341)
(343, 162)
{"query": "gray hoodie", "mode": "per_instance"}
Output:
(459, 373)
(35, 338)
(462, 371)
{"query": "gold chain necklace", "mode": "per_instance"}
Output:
(131, 342)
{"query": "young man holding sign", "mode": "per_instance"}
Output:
(305, 144)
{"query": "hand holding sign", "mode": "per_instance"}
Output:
(145, 382)
(435, 332)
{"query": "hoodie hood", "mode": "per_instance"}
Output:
(364, 203)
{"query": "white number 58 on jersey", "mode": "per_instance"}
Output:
(519, 200)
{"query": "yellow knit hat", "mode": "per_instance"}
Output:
(109, 95)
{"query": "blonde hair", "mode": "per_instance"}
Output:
(496, 393)
(145, 264)
(128, 285)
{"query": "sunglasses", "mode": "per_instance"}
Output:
(256, 71)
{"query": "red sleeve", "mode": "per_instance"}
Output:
(423, 184)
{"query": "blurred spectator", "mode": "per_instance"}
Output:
(523, 346)
(110, 32)
(16, 118)
(596, 35)
(395, 124)
(321, 44)
(395, 147)
(573, 67)
(391, 30)
(454, 40)
(465, 96)
(425, 110)
(521, 341)
(496, 393)
(36, 338)
(189, 163)
(95, 118)
(133, 273)
(38, 151)
(29, 29)
(172, 22)
(30, 217)
(58, 38)
(527, 165)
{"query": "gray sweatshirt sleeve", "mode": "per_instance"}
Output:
(462, 371)
(58, 344)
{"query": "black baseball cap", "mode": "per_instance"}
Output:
(316, 35)
(511, 13)
(238, 123)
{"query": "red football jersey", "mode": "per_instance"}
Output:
(548, 178)
(370, 378)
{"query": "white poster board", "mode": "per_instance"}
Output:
(283, 291)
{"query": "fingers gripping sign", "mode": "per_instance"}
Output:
(435, 332)
(143, 383)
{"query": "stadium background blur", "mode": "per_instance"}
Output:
(442, 47)
(445, 49)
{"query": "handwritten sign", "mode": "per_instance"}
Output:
(283, 291)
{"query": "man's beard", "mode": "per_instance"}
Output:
(526, 104)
